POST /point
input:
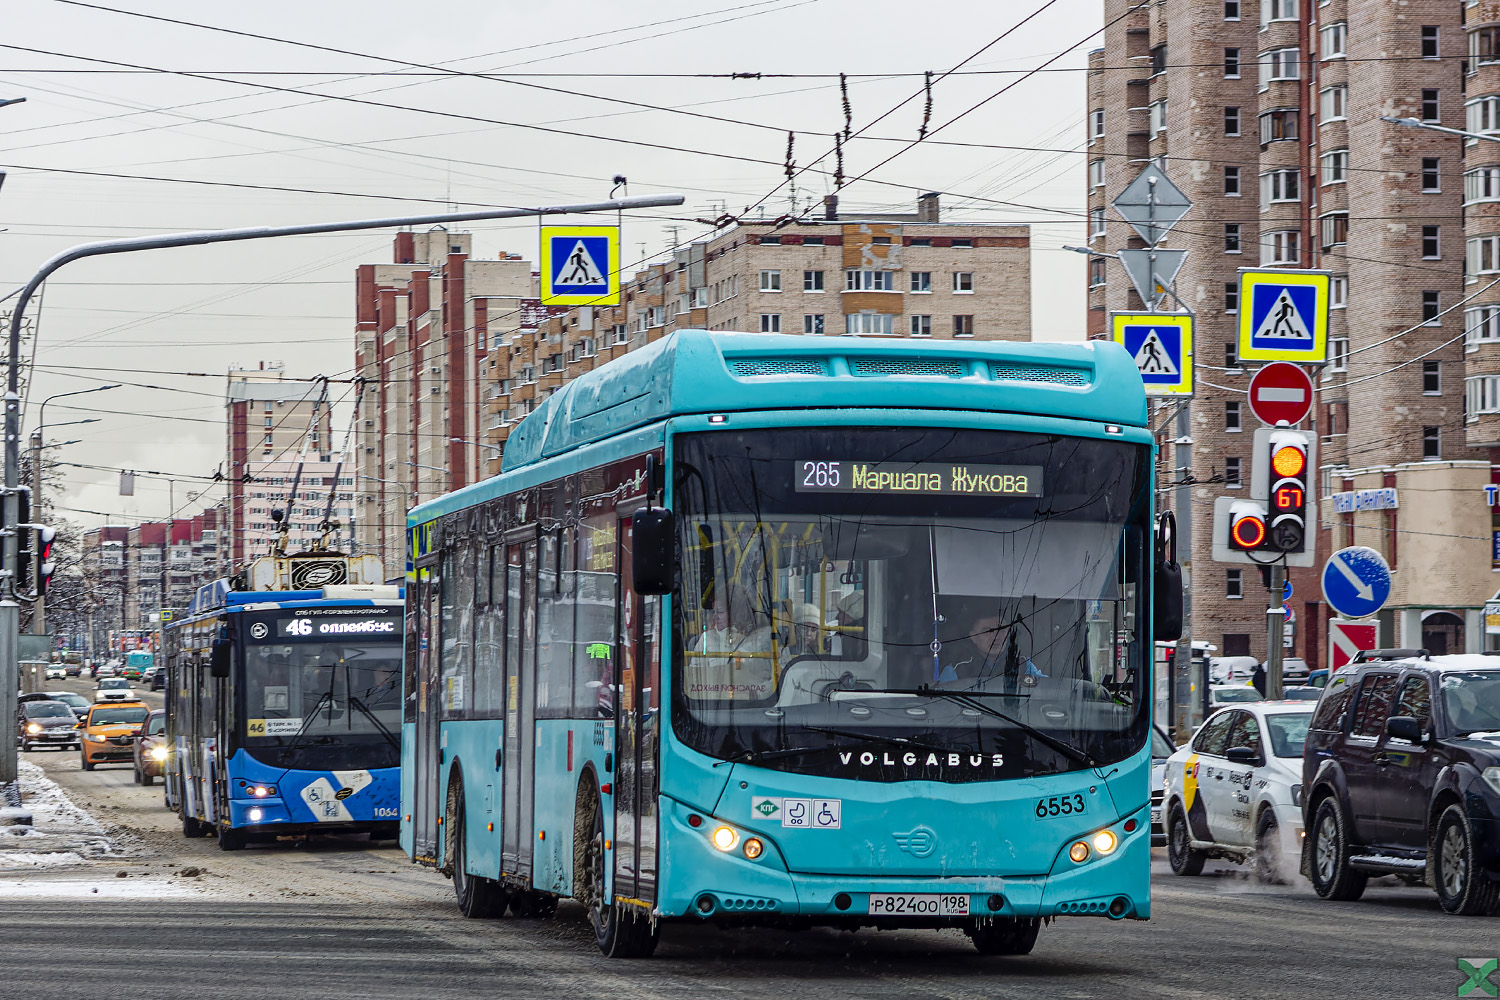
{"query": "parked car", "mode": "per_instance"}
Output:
(1220, 695)
(45, 723)
(1228, 669)
(109, 733)
(114, 689)
(56, 672)
(1301, 692)
(1294, 670)
(1235, 791)
(151, 748)
(1402, 771)
(77, 702)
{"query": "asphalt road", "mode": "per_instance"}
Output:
(344, 918)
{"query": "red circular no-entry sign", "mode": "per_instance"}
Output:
(1281, 391)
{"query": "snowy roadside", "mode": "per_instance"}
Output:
(61, 834)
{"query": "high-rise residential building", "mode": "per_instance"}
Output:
(1267, 113)
(271, 421)
(133, 573)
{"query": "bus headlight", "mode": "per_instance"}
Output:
(159, 752)
(725, 838)
(1079, 852)
(1105, 842)
(754, 848)
(255, 815)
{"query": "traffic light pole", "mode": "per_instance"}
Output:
(1275, 630)
(10, 610)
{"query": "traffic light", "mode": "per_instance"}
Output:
(1288, 481)
(45, 564)
(1247, 526)
(25, 554)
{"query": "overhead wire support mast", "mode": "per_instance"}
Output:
(10, 616)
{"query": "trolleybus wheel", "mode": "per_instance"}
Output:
(478, 898)
(191, 828)
(620, 932)
(231, 839)
(1004, 937)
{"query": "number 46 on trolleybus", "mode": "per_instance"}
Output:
(800, 631)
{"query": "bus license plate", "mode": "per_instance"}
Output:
(918, 905)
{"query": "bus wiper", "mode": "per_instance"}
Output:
(755, 756)
(286, 752)
(389, 738)
(905, 741)
(970, 699)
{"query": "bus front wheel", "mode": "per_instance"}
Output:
(1004, 937)
(620, 932)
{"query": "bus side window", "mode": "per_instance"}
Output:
(489, 637)
(555, 623)
(594, 636)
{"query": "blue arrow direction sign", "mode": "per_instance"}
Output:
(1356, 581)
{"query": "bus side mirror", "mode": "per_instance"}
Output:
(1166, 590)
(653, 541)
(218, 658)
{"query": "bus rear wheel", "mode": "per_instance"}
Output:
(620, 932)
(191, 828)
(1004, 937)
(478, 898)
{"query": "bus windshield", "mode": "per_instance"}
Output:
(969, 594)
(321, 689)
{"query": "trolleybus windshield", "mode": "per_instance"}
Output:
(321, 689)
(900, 603)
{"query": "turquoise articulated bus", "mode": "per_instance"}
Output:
(799, 631)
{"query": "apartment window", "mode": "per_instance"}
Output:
(1432, 378)
(926, 241)
(1096, 222)
(1231, 237)
(1482, 256)
(1231, 10)
(963, 243)
(1335, 166)
(1096, 272)
(1232, 182)
(1481, 323)
(1484, 46)
(1429, 41)
(1432, 444)
(770, 322)
(1234, 584)
(1096, 173)
(1481, 395)
(963, 326)
(1483, 113)
(812, 324)
(867, 281)
(963, 282)
(1232, 472)
(1432, 175)
(1231, 121)
(270, 408)
(1333, 229)
(1430, 109)
(812, 281)
(1338, 291)
(1158, 116)
(1333, 41)
(882, 241)
(1231, 64)
(812, 241)
(1279, 186)
(1432, 245)
(1158, 59)
(921, 281)
(1333, 103)
(1096, 124)
(1278, 125)
(1231, 296)
(1281, 246)
(1277, 10)
(1280, 64)
(1338, 354)
(1232, 416)
(1482, 184)
(1432, 307)
(770, 281)
(869, 324)
(1231, 355)
(921, 326)
(270, 422)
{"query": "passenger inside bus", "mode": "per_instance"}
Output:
(731, 657)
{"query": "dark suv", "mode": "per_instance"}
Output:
(1401, 776)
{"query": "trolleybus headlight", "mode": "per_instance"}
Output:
(1105, 842)
(754, 848)
(1079, 852)
(725, 838)
(261, 791)
(159, 753)
(254, 815)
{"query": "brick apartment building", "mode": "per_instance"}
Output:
(135, 572)
(857, 274)
(1267, 114)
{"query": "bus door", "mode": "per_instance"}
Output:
(197, 797)
(520, 708)
(637, 723)
(425, 753)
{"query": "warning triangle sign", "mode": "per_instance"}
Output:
(1153, 357)
(579, 268)
(1283, 322)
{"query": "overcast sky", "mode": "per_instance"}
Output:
(456, 142)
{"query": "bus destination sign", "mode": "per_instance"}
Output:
(305, 628)
(918, 478)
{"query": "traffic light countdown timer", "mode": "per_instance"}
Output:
(1273, 520)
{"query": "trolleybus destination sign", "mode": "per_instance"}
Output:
(918, 477)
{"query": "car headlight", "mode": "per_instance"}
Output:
(34, 728)
(95, 738)
(159, 752)
(1492, 778)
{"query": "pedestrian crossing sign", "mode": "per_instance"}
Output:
(580, 265)
(1284, 316)
(1162, 346)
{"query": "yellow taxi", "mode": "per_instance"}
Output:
(107, 733)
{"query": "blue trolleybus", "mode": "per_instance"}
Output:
(754, 628)
(283, 713)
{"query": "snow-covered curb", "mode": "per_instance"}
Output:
(60, 833)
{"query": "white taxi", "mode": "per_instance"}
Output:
(1235, 791)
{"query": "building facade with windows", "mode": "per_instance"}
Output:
(1267, 114)
(133, 573)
